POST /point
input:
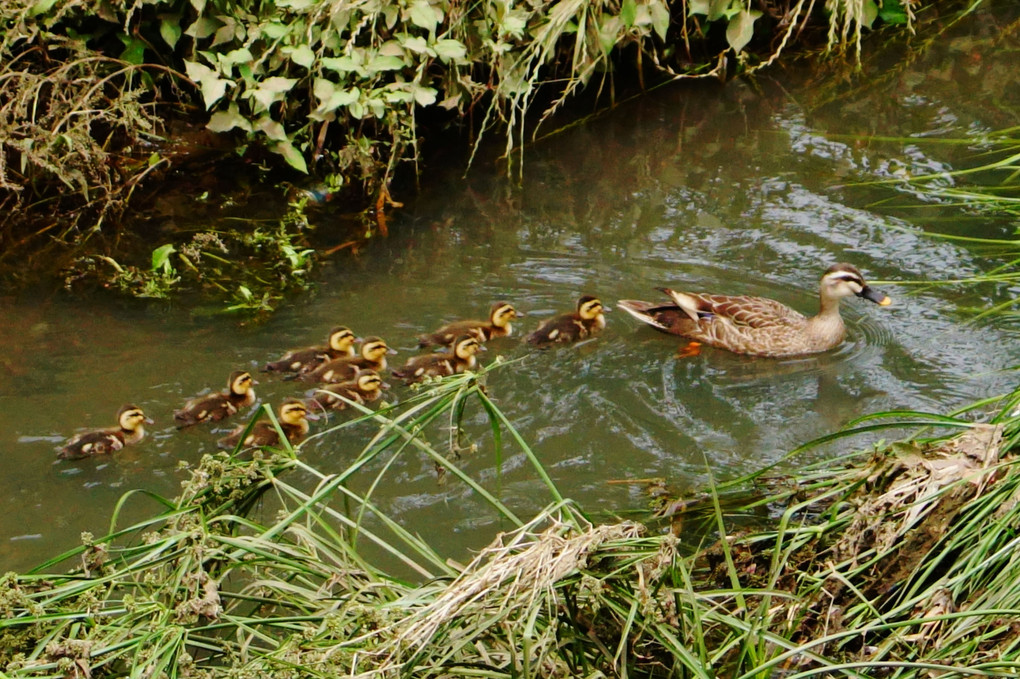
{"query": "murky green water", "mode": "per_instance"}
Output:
(729, 190)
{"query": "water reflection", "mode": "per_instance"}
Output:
(725, 190)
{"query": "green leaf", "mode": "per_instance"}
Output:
(892, 12)
(291, 155)
(384, 63)
(41, 7)
(199, 5)
(717, 9)
(417, 44)
(514, 22)
(275, 30)
(698, 7)
(134, 50)
(213, 87)
(425, 96)
(740, 28)
(450, 50)
(303, 56)
(271, 129)
(421, 13)
(628, 12)
(272, 90)
(323, 89)
(170, 30)
(660, 17)
(391, 48)
(609, 33)
(226, 33)
(161, 257)
(870, 13)
(398, 97)
(351, 64)
(331, 97)
(224, 121)
(202, 28)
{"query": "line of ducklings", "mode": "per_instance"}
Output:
(753, 326)
(345, 373)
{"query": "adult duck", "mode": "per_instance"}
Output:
(758, 326)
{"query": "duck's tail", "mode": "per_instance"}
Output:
(644, 312)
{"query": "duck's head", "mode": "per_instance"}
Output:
(240, 382)
(131, 418)
(293, 412)
(590, 308)
(375, 349)
(369, 381)
(843, 280)
(502, 313)
(341, 339)
(466, 347)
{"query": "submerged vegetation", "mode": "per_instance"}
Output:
(901, 561)
(92, 93)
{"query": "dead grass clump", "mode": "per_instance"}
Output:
(73, 127)
(503, 589)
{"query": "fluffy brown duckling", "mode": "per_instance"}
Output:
(339, 344)
(365, 388)
(373, 357)
(215, 407)
(757, 326)
(498, 325)
(460, 359)
(130, 429)
(584, 322)
(293, 419)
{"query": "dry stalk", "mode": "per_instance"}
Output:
(510, 576)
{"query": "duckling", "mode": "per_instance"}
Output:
(131, 429)
(587, 320)
(462, 358)
(292, 415)
(373, 357)
(364, 388)
(498, 325)
(757, 326)
(215, 407)
(339, 344)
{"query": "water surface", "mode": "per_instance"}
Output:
(736, 189)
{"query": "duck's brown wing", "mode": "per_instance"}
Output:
(747, 311)
(564, 328)
(337, 370)
(91, 443)
(420, 367)
(449, 333)
(209, 408)
(299, 360)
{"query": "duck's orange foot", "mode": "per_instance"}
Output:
(692, 349)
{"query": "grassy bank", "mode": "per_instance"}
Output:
(93, 95)
(901, 560)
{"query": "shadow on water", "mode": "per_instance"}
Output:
(726, 190)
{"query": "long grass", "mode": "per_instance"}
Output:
(904, 562)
